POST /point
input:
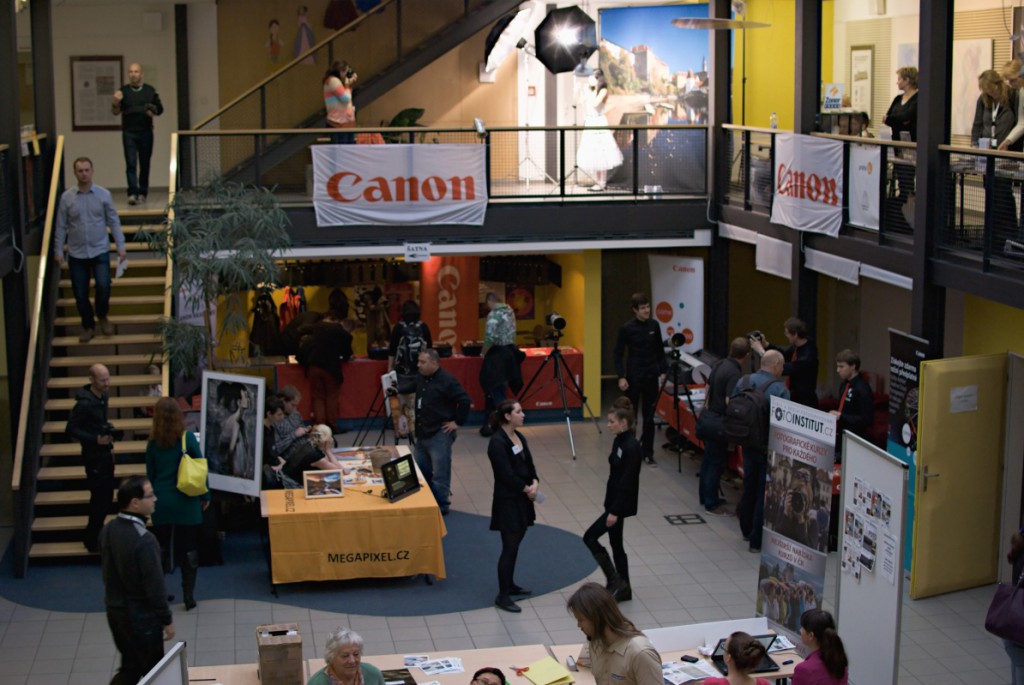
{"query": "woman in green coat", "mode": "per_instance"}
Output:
(344, 656)
(178, 517)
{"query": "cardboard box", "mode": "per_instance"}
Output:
(280, 654)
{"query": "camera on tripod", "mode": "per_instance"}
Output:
(557, 323)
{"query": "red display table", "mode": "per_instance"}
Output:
(362, 382)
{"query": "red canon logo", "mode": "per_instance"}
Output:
(803, 186)
(347, 186)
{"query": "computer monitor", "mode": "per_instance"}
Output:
(171, 670)
(400, 479)
(767, 664)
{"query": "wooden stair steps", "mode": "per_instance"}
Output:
(120, 381)
(124, 282)
(140, 401)
(116, 319)
(119, 300)
(120, 424)
(61, 523)
(136, 263)
(52, 550)
(110, 360)
(78, 472)
(66, 497)
(71, 449)
(132, 339)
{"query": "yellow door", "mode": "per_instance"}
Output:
(959, 474)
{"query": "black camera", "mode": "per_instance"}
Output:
(556, 321)
(797, 501)
(349, 73)
(108, 429)
(677, 340)
(755, 335)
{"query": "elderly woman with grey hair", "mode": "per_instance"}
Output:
(343, 654)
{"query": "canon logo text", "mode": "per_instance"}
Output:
(811, 187)
(448, 279)
(348, 186)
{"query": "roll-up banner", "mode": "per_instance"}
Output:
(677, 298)
(399, 184)
(906, 352)
(797, 507)
(808, 183)
(865, 161)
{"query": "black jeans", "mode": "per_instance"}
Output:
(510, 541)
(599, 528)
(138, 149)
(139, 638)
(643, 393)
(751, 509)
(99, 474)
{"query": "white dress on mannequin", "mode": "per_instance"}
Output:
(598, 152)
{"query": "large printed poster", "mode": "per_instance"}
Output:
(808, 183)
(677, 298)
(865, 167)
(798, 498)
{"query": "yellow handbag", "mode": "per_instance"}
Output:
(191, 473)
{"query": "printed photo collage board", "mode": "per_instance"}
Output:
(866, 525)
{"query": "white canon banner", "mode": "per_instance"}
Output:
(677, 298)
(865, 161)
(399, 184)
(808, 183)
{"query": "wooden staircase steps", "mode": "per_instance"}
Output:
(133, 338)
(119, 424)
(65, 497)
(118, 301)
(116, 381)
(51, 550)
(116, 319)
(140, 401)
(60, 523)
(78, 472)
(124, 282)
(71, 449)
(111, 360)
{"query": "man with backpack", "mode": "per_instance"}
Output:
(724, 376)
(409, 337)
(746, 423)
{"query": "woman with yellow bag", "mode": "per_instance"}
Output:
(178, 517)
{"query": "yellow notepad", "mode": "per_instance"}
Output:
(547, 671)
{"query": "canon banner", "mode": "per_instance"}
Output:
(808, 183)
(797, 508)
(399, 184)
(677, 298)
(449, 298)
(865, 168)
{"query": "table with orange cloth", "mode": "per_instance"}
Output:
(360, 392)
(359, 535)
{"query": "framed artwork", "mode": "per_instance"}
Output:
(319, 484)
(232, 431)
(94, 80)
(862, 59)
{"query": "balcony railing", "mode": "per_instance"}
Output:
(534, 163)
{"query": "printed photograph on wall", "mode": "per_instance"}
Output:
(861, 77)
(656, 74)
(232, 431)
(94, 80)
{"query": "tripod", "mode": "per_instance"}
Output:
(674, 371)
(376, 410)
(560, 363)
(528, 159)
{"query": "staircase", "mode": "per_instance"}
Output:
(136, 306)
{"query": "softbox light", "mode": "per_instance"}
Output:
(566, 37)
(503, 37)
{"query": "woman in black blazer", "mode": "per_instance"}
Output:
(620, 501)
(515, 489)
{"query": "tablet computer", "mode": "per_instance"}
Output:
(400, 478)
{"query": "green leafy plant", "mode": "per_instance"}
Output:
(407, 118)
(224, 239)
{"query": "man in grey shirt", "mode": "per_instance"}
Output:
(84, 214)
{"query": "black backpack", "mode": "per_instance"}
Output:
(746, 416)
(412, 342)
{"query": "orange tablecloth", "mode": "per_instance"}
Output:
(362, 381)
(355, 536)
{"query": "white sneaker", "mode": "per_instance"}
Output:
(133, 199)
(140, 199)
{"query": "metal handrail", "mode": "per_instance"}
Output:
(295, 62)
(1006, 154)
(33, 333)
(172, 189)
(907, 145)
(432, 129)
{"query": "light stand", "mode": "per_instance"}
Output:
(528, 159)
(575, 172)
(560, 363)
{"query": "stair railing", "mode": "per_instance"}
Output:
(33, 392)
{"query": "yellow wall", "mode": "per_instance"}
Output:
(770, 69)
(991, 328)
(756, 300)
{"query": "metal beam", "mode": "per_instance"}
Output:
(716, 294)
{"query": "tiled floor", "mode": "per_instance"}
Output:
(680, 574)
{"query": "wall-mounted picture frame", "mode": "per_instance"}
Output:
(320, 484)
(862, 63)
(232, 431)
(94, 80)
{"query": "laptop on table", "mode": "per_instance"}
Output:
(767, 664)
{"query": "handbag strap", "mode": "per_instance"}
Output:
(184, 447)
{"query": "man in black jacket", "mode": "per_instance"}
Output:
(133, 580)
(442, 405)
(137, 103)
(331, 345)
(719, 388)
(643, 372)
(856, 410)
(89, 426)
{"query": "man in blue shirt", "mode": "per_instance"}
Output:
(84, 214)
(755, 460)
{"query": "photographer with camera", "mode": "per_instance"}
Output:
(89, 426)
(800, 360)
(341, 113)
(138, 104)
(797, 520)
(500, 368)
(642, 373)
